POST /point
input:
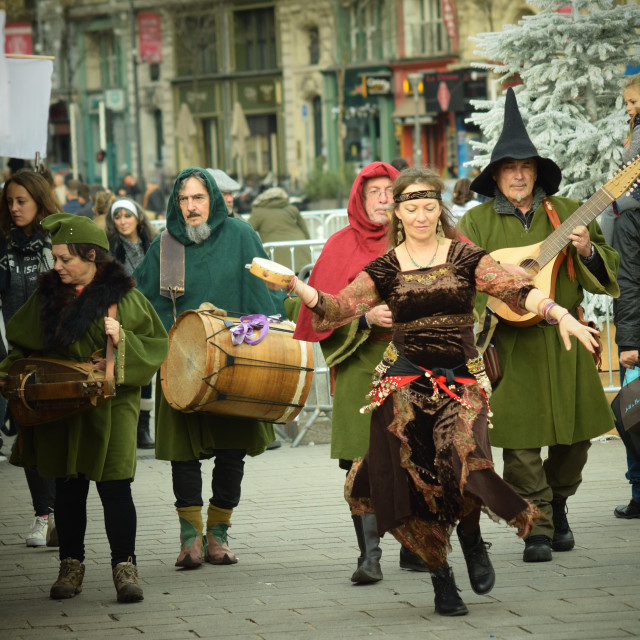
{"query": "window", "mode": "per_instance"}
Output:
(195, 42)
(102, 60)
(255, 40)
(425, 31)
(370, 28)
(314, 45)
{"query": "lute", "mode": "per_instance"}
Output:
(542, 260)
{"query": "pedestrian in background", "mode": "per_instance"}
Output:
(463, 199)
(228, 187)
(276, 220)
(130, 234)
(25, 252)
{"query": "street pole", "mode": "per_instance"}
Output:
(136, 98)
(102, 126)
(414, 79)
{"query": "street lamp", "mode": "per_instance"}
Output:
(414, 80)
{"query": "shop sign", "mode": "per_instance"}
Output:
(446, 91)
(150, 37)
(443, 91)
(376, 85)
(18, 39)
(449, 19)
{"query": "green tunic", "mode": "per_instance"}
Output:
(547, 396)
(214, 272)
(100, 443)
(355, 356)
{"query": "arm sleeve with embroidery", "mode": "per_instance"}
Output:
(492, 279)
(354, 300)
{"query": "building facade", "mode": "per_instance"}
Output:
(266, 90)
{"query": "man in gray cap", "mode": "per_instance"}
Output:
(228, 186)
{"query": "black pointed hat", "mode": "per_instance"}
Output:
(514, 142)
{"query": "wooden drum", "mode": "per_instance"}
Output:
(206, 372)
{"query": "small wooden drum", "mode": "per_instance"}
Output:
(206, 372)
(271, 271)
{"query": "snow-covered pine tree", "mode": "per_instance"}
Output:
(571, 65)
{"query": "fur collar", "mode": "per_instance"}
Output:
(66, 316)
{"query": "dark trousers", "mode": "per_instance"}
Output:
(540, 481)
(119, 517)
(42, 490)
(226, 479)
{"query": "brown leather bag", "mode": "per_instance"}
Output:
(487, 348)
(492, 363)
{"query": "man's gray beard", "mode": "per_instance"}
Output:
(198, 234)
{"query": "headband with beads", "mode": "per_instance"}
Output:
(418, 195)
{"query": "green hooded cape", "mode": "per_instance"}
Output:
(214, 272)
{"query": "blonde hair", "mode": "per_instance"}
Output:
(103, 202)
(633, 81)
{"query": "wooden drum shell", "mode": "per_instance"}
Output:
(205, 372)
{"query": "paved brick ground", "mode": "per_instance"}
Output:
(297, 551)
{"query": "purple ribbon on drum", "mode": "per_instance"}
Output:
(243, 331)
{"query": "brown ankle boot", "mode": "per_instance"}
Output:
(69, 582)
(125, 578)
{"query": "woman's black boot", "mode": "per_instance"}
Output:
(481, 574)
(368, 570)
(145, 441)
(447, 600)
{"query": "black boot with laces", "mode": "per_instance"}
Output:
(562, 535)
(481, 574)
(447, 599)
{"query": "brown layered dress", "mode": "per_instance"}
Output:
(429, 459)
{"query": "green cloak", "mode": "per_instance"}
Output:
(214, 272)
(100, 443)
(547, 396)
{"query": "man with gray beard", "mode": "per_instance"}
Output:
(209, 250)
(547, 397)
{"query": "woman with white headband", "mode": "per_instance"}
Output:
(130, 233)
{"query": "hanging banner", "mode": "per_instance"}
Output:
(150, 37)
(450, 22)
(28, 100)
(18, 39)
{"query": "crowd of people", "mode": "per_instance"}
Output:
(394, 300)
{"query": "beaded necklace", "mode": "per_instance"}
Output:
(433, 257)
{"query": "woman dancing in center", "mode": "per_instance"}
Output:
(429, 462)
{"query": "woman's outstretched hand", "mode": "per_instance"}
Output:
(569, 326)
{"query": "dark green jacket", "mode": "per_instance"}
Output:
(547, 395)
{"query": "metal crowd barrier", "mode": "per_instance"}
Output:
(315, 246)
(599, 308)
(323, 223)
